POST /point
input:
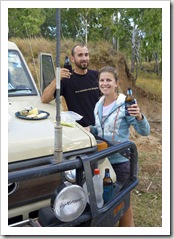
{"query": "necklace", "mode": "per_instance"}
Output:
(109, 101)
(107, 109)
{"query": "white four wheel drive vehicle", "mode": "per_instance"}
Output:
(41, 190)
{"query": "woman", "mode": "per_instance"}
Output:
(112, 124)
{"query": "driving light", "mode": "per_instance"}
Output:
(69, 202)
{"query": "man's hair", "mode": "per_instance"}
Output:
(79, 44)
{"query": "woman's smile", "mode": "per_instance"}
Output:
(107, 83)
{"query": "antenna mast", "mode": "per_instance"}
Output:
(58, 128)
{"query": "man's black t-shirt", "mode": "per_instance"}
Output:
(81, 93)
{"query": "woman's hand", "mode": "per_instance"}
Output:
(134, 110)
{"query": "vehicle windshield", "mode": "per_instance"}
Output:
(19, 80)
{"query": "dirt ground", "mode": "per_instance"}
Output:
(147, 196)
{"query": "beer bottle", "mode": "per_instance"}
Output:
(108, 192)
(129, 101)
(67, 64)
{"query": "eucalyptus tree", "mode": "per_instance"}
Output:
(48, 28)
(131, 18)
(69, 23)
(151, 25)
(143, 28)
(25, 22)
(81, 24)
(136, 32)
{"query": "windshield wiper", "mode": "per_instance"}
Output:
(18, 89)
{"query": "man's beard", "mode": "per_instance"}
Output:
(82, 65)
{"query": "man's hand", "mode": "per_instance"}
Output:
(48, 94)
(65, 73)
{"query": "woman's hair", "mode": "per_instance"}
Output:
(113, 71)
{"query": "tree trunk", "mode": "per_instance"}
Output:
(118, 44)
(133, 60)
(156, 63)
(133, 48)
(86, 31)
(136, 76)
(115, 42)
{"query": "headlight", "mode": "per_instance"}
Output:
(70, 175)
(69, 202)
(12, 187)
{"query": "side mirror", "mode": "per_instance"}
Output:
(47, 72)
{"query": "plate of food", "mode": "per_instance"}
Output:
(33, 114)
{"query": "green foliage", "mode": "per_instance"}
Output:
(48, 28)
(136, 32)
(25, 22)
(152, 28)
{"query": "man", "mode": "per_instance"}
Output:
(79, 88)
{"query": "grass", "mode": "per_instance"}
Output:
(147, 196)
(101, 55)
(147, 209)
(150, 82)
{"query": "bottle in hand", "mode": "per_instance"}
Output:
(67, 64)
(108, 189)
(129, 101)
(98, 187)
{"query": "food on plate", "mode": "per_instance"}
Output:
(41, 115)
(24, 112)
(34, 111)
(29, 113)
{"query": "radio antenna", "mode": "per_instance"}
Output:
(58, 128)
